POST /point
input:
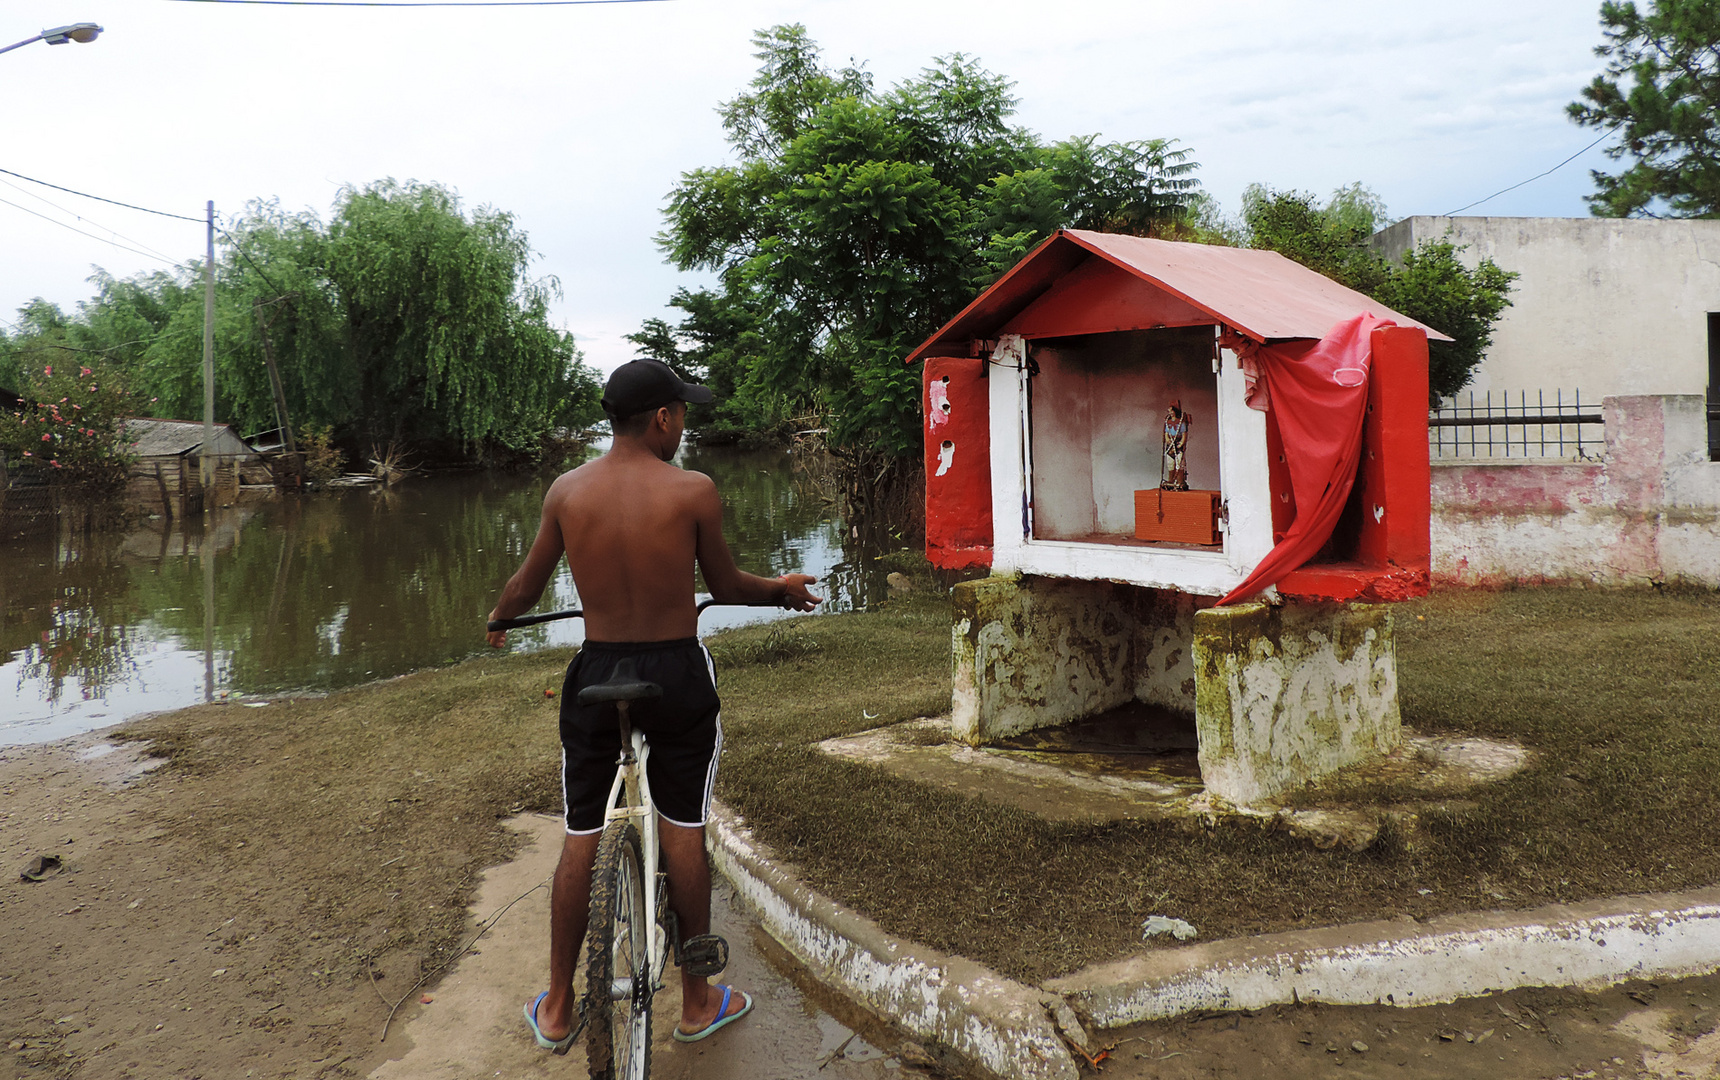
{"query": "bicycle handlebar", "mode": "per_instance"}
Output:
(575, 613)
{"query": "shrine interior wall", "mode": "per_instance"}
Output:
(1098, 422)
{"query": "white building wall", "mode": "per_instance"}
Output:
(1607, 306)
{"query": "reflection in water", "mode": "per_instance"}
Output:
(333, 590)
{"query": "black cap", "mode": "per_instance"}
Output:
(640, 385)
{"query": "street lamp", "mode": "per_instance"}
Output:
(83, 33)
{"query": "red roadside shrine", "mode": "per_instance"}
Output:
(1047, 402)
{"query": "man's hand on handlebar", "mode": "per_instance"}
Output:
(796, 597)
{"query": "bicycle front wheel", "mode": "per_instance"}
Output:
(618, 1031)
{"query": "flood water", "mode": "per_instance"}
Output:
(330, 590)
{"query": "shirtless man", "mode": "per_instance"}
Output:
(632, 525)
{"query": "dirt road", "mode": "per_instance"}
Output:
(474, 1026)
(147, 957)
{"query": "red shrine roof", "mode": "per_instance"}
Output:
(1094, 282)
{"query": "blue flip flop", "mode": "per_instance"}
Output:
(683, 1036)
(558, 1046)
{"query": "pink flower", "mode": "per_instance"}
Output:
(28, 454)
(85, 372)
(55, 464)
(45, 438)
(47, 371)
(62, 402)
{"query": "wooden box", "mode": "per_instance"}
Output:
(1180, 517)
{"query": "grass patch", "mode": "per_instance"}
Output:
(1615, 691)
(783, 641)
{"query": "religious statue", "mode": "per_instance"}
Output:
(1173, 466)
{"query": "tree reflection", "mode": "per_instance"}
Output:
(335, 589)
(69, 614)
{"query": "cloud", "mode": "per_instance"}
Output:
(579, 120)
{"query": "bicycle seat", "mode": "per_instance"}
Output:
(624, 685)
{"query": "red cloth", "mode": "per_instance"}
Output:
(1318, 391)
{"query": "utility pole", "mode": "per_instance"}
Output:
(206, 456)
(282, 417)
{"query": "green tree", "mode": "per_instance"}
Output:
(1332, 239)
(854, 222)
(723, 342)
(1431, 285)
(403, 319)
(1661, 93)
(448, 337)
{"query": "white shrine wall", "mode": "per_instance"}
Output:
(1098, 426)
(1017, 473)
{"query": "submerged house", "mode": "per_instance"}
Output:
(1116, 427)
(169, 462)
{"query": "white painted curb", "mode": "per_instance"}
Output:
(1450, 957)
(1001, 1027)
(993, 1024)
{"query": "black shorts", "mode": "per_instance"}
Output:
(684, 729)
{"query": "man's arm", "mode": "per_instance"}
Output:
(527, 584)
(728, 583)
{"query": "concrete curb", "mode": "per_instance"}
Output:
(992, 1024)
(1003, 1028)
(1583, 945)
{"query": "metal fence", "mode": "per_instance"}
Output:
(1496, 426)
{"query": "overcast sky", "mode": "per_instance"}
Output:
(579, 119)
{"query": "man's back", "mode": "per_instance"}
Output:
(630, 527)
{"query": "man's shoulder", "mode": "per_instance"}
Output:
(697, 480)
(601, 474)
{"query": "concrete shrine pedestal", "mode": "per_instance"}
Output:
(1285, 695)
(1281, 695)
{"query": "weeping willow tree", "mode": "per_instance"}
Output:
(403, 319)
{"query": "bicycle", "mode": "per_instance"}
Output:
(631, 933)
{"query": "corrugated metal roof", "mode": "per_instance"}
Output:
(173, 438)
(1261, 294)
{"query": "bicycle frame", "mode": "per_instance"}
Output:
(630, 799)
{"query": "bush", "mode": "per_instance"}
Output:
(70, 426)
(323, 460)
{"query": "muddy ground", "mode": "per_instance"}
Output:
(144, 958)
(159, 952)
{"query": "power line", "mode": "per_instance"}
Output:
(241, 250)
(1532, 179)
(88, 221)
(98, 198)
(91, 235)
(421, 3)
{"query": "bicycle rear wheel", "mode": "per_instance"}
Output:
(618, 1031)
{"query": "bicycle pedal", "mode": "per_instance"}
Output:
(703, 955)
